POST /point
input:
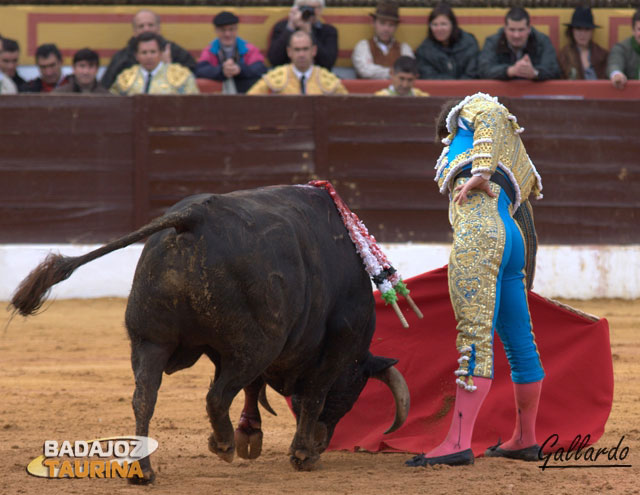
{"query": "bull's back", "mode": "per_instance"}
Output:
(269, 258)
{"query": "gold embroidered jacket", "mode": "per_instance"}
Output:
(496, 144)
(282, 80)
(170, 79)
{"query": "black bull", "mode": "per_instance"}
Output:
(268, 285)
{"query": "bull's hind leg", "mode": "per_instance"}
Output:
(248, 434)
(233, 373)
(148, 361)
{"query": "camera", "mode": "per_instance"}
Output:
(307, 12)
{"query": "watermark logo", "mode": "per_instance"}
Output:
(582, 455)
(109, 457)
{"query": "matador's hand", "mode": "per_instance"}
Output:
(475, 182)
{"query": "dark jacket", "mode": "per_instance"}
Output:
(571, 64)
(37, 85)
(325, 36)
(496, 56)
(456, 61)
(126, 58)
(71, 86)
(19, 82)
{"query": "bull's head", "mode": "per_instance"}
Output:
(347, 388)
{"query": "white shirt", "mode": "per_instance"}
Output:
(153, 72)
(299, 74)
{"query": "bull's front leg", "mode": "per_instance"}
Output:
(305, 449)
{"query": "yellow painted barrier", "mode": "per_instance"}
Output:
(106, 29)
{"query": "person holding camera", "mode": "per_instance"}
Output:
(305, 16)
(301, 76)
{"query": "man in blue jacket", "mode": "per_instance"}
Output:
(230, 59)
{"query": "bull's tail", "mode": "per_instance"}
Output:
(34, 289)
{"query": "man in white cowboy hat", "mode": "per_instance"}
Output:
(373, 58)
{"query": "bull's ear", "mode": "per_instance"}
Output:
(377, 364)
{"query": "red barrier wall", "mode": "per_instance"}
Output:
(601, 89)
(88, 169)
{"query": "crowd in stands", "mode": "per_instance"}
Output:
(303, 51)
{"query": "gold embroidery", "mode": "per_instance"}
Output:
(277, 78)
(177, 75)
(474, 263)
(497, 145)
(127, 77)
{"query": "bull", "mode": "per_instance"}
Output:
(268, 285)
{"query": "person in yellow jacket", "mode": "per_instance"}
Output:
(403, 74)
(151, 75)
(300, 76)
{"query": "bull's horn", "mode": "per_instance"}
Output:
(396, 382)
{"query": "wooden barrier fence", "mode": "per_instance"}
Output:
(88, 169)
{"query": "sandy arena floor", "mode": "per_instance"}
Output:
(65, 375)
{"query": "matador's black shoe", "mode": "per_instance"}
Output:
(530, 454)
(462, 458)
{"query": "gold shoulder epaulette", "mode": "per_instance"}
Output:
(418, 92)
(127, 77)
(382, 92)
(277, 78)
(177, 75)
(328, 81)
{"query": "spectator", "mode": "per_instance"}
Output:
(301, 76)
(145, 21)
(581, 58)
(403, 74)
(9, 55)
(7, 86)
(518, 51)
(624, 59)
(373, 58)
(85, 68)
(151, 75)
(305, 16)
(230, 59)
(448, 52)
(49, 62)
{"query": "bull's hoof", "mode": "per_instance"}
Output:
(148, 476)
(248, 445)
(224, 451)
(302, 460)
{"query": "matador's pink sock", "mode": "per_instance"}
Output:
(464, 417)
(527, 398)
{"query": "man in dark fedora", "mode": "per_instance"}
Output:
(230, 59)
(373, 58)
(581, 57)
